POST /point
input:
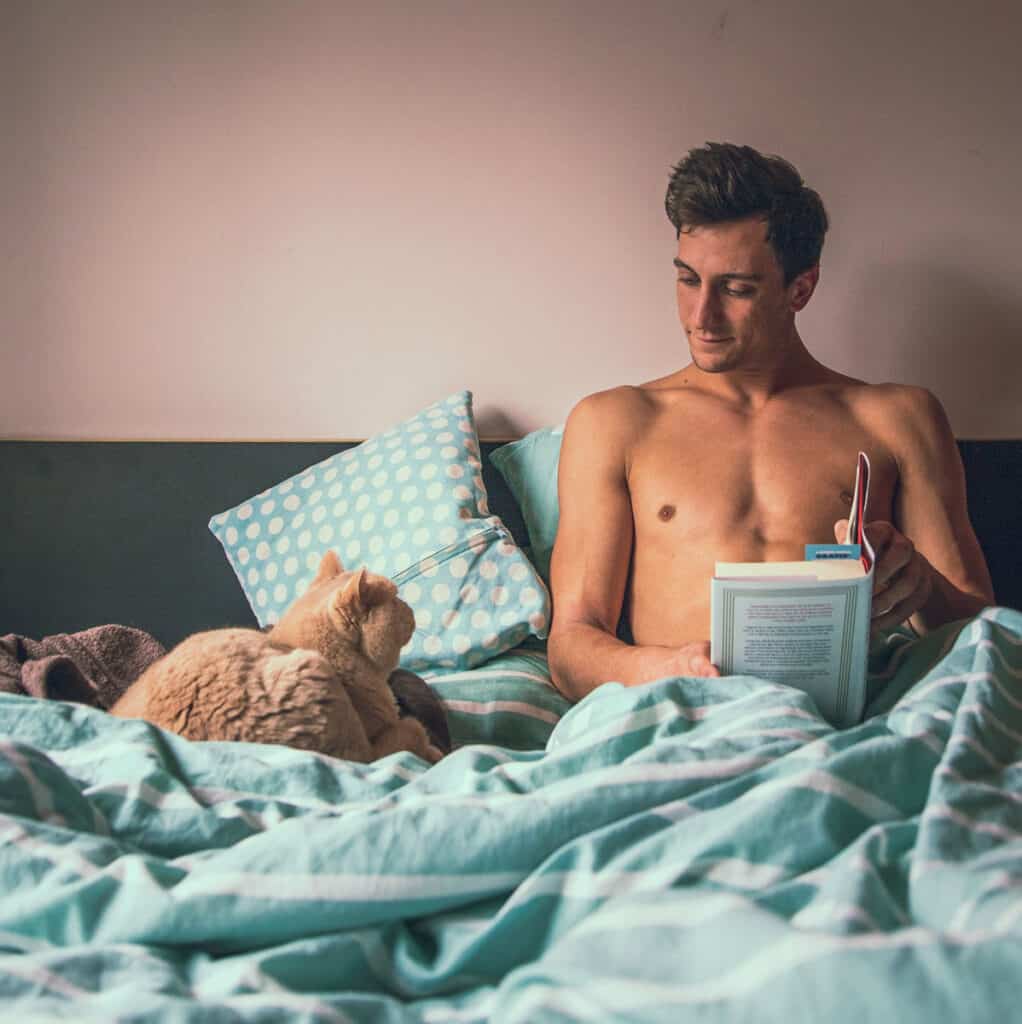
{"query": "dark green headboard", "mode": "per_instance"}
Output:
(95, 532)
(100, 532)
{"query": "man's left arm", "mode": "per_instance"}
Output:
(930, 568)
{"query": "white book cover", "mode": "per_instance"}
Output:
(804, 624)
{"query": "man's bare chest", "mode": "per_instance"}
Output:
(753, 486)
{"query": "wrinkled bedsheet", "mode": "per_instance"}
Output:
(695, 849)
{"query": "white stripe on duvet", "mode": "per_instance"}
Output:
(1004, 632)
(662, 711)
(745, 874)
(1015, 673)
(346, 887)
(777, 734)
(678, 771)
(818, 780)
(997, 792)
(821, 876)
(287, 1002)
(481, 676)
(60, 855)
(676, 810)
(1000, 883)
(666, 710)
(975, 746)
(192, 802)
(987, 828)
(822, 781)
(755, 971)
(602, 994)
(921, 691)
(474, 707)
(42, 798)
(824, 913)
(695, 909)
(478, 1009)
(111, 748)
(989, 717)
(11, 941)
(759, 714)
(41, 977)
(1006, 921)
(582, 884)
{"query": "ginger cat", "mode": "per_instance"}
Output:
(317, 680)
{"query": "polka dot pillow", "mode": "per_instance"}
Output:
(409, 504)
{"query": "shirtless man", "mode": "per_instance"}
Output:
(747, 453)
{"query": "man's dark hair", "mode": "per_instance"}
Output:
(722, 182)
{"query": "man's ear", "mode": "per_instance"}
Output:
(803, 286)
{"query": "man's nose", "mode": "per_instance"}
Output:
(707, 309)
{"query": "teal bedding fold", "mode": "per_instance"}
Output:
(702, 850)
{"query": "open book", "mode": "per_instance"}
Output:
(805, 624)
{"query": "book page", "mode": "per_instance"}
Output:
(824, 569)
(792, 637)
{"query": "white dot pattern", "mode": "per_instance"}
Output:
(398, 504)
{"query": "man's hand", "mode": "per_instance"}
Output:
(902, 578)
(693, 659)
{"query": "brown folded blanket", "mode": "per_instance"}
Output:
(92, 667)
(97, 665)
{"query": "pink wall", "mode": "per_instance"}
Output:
(298, 220)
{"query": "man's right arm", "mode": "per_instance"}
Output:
(589, 569)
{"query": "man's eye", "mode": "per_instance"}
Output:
(739, 291)
(690, 281)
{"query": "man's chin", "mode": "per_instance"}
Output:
(713, 363)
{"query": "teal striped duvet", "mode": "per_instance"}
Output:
(690, 850)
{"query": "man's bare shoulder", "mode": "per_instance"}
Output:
(906, 415)
(617, 413)
(893, 395)
(625, 398)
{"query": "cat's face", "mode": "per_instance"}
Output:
(359, 610)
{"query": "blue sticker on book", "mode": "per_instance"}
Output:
(818, 551)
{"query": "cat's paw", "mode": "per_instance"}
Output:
(432, 754)
(406, 734)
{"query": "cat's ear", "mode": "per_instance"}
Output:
(329, 567)
(354, 595)
(362, 591)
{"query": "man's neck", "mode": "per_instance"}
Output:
(753, 386)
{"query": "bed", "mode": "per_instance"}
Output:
(687, 850)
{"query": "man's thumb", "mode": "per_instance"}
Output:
(841, 530)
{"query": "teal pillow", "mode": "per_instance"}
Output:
(409, 504)
(530, 468)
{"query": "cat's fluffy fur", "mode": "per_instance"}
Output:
(317, 680)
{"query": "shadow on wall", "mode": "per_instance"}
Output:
(952, 333)
(495, 425)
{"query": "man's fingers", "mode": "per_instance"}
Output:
(898, 553)
(903, 598)
(702, 666)
(896, 615)
(887, 599)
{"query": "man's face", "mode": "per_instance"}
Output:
(732, 300)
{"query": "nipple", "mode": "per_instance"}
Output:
(666, 513)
